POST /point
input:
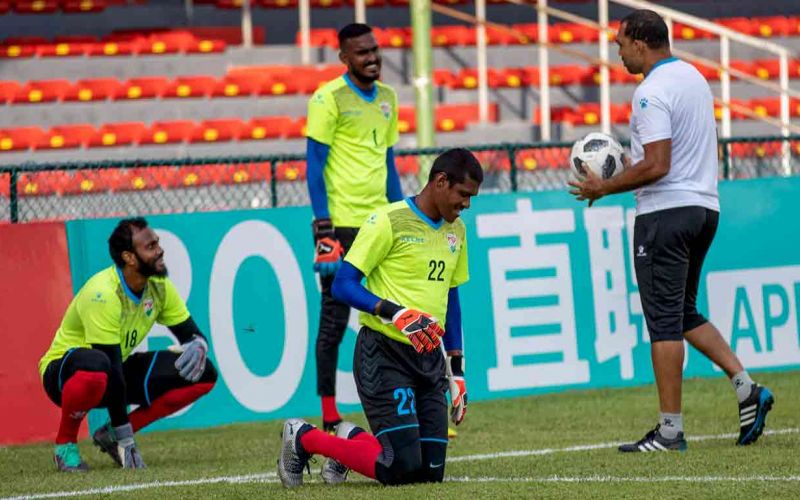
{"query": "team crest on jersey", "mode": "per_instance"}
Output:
(452, 240)
(386, 109)
(148, 307)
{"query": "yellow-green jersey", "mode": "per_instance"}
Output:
(106, 312)
(359, 129)
(409, 260)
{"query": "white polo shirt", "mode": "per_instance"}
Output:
(675, 102)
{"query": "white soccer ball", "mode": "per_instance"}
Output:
(600, 152)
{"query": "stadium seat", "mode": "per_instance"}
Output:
(8, 89)
(67, 136)
(766, 106)
(290, 171)
(571, 33)
(322, 37)
(241, 173)
(406, 119)
(235, 86)
(794, 106)
(407, 165)
(271, 127)
(35, 6)
(326, 4)
(394, 37)
(685, 32)
(218, 130)
(451, 36)
(589, 113)
(740, 24)
(41, 183)
(205, 46)
(168, 132)
(85, 181)
(113, 48)
(296, 129)
(94, 89)
(169, 42)
(63, 48)
(42, 91)
(143, 88)
(15, 50)
(773, 26)
(190, 86)
(529, 33)
(280, 4)
(83, 6)
(118, 134)
(19, 138)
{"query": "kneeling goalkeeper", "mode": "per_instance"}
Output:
(413, 254)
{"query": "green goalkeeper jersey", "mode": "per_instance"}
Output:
(106, 312)
(410, 260)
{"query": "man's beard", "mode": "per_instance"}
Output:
(364, 78)
(148, 269)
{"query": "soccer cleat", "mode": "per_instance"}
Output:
(333, 471)
(68, 459)
(130, 457)
(654, 441)
(753, 414)
(330, 427)
(451, 433)
(104, 439)
(293, 458)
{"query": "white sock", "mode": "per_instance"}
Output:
(671, 425)
(743, 385)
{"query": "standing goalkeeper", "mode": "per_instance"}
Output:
(413, 254)
(352, 126)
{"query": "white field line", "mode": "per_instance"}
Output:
(271, 477)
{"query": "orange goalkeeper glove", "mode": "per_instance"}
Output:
(422, 329)
(328, 251)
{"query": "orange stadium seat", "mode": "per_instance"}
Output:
(559, 114)
(113, 48)
(67, 136)
(190, 86)
(235, 86)
(35, 6)
(143, 88)
(621, 113)
(240, 173)
(290, 171)
(42, 91)
(296, 129)
(40, 183)
(118, 134)
(63, 48)
(322, 37)
(205, 46)
(20, 138)
(169, 42)
(279, 85)
(529, 33)
(710, 74)
(168, 132)
(450, 36)
(86, 181)
(740, 24)
(407, 164)
(8, 89)
(794, 106)
(589, 113)
(571, 33)
(570, 74)
(82, 6)
(443, 77)
(773, 26)
(270, 127)
(495, 36)
(394, 37)
(685, 32)
(766, 106)
(406, 119)
(93, 89)
(218, 130)
(744, 66)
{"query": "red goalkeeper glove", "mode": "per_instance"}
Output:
(422, 329)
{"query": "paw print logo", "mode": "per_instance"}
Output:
(643, 102)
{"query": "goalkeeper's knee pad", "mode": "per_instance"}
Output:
(401, 459)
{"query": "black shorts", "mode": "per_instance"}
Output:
(669, 247)
(399, 388)
(148, 375)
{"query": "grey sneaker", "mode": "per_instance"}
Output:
(333, 472)
(293, 458)
(104, 439)
(68, 459)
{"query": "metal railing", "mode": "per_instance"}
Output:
(62, 191)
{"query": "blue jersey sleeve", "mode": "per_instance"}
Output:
(453, 339)
(347, 288)
(394, 191)
(316, 157)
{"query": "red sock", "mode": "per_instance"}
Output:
(329, 411)
(82, 392)
(359, 453)
(167, 404)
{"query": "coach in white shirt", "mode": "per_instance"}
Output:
(674, 172)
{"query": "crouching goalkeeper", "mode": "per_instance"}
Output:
(90, 363)
(413, 254)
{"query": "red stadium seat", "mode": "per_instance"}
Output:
(67, 136)
(190, 86)
(773, 26)
(5, 6)
(290, 171)
(794, 106)
(83, 6)
(206, 46)
(86, 181)
(279, 86)
(569, 74)
(271, 127)
(571, 33)
(169, 42)
(450, 36)
(326, 4)
(242, 173)
(41, 183)
(407, 165)
(114, 48)
(235, 86)
(394, 37)
(589, 113)
(94, 89)
(20, 138)
(685, 32)
(296, 130)
(368, 3)
(218, 130)
(456, 116)
(62, 49)
(281, 4)
(143, 88)
(35, 6)
(168, 132)
(529, 33)
(322, 37)
(42, 91)
(767, 106)
(620, 113)
(12, 50)
(118, 134)
(740, 24)
(443, 77)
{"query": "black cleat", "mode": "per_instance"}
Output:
(753, 414)
(654, 441)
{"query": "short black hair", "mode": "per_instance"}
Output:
(121, 239)
(457, 164)
(352, 30)
(647, 26)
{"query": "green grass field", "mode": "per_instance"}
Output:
(556, 446)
